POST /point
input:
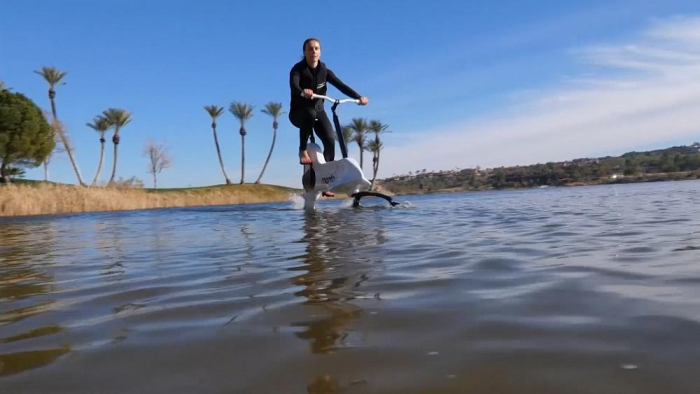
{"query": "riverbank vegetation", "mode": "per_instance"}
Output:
(45, 198)
(675, 163)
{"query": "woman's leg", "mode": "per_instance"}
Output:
(303, 119)
(324, 131)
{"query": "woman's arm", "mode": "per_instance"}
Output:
(294, 79)
(294, 83)
(335, 81)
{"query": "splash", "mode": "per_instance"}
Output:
(297, 201)
(347, 203)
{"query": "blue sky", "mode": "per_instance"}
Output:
(460, 83)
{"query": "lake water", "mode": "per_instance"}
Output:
(559, 290)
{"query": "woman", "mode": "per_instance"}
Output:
(306, 78)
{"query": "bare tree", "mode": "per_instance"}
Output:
(158, 159)
(60, 134)
(58, 148)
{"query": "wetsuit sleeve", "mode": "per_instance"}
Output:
(347, 90)
(294, 78)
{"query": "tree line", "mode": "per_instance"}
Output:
(29, 138)
(679, 162)
(359, 131)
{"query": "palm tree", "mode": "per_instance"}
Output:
(54, 77)
(347, 136)
(117, 119)
(376, 146)
(3, 87)
(215, 111)
(274, 110)
(101, 125)
(360, 128)
(243, 112)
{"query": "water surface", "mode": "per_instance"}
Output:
(559, 290)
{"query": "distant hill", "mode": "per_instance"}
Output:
(674, 163)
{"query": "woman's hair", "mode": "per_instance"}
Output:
(308, 40)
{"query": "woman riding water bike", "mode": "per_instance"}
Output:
(306, 78)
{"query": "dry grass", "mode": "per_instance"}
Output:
(43, 199)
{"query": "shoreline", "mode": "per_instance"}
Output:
(34, 199)
(37, 198)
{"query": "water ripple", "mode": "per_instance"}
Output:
(516, 292)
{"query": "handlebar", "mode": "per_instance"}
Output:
(331, 99)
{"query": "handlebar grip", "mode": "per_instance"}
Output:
(313, 95)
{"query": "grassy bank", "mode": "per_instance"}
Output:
(40, 198)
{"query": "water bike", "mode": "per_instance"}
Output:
(340, 176)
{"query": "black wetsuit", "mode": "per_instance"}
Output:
(309, 115)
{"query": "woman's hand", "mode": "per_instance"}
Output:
(364, 100)
(308, 93)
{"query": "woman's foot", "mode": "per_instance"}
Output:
(304, 157)
(328, 194)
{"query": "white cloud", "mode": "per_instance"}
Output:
(653, 98)
(681, 29)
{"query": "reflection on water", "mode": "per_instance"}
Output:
(337, 261)
(574, 290)
(24, 285)
(323, 385)
(13, 363)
